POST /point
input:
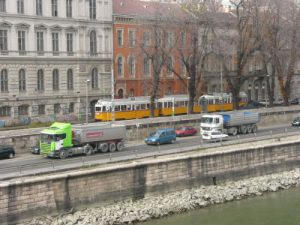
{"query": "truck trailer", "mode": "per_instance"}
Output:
(62, 140)
(231, 123)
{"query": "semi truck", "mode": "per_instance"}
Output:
(231, 123)
(62, 140)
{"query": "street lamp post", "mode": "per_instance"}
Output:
(188, 94)
(87, 102)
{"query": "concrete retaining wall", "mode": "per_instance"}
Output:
(27, 197)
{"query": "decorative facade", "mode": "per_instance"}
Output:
(55, 58)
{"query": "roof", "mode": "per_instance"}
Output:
(146, 8)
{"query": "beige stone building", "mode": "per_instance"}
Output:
(55, 56)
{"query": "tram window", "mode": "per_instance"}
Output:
(98, 109)
(148, 106)
(128, 107)
(143, 106)
(103, 109)
(137, 107)
(217, 101)
(117, 108)
(159, 105)
(170, 105)
(123, 107)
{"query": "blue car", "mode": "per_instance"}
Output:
(161, 136)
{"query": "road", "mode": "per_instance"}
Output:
(28, 164)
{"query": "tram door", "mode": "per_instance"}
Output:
(204, 105)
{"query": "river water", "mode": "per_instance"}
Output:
(279, 208)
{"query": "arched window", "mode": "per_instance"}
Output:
(120, 93)
(93, 43)
(131, 66)
(40, 80)
(22, 80)
(95, 84)
(70, 82)
(120, 66)
(4, 81)
(55, 80)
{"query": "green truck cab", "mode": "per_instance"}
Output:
(62, 140)
(54, 138)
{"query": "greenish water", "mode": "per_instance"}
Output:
(280, 208)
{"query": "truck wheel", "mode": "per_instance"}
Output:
(87, 150)
(120, 146)
(104, 147)
(172, 141)
(112, 147)
(249, 129)
(254, 128)
(243, 129)
(63, 154)
(234, 131)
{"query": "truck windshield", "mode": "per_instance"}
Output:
(206, 120)
(47, 137)
(154, 134)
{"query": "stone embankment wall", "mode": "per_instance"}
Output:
(26, 197)
(24, 141)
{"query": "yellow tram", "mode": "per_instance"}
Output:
(139, 107)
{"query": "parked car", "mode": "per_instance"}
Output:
(185, 131)
(161, 136)
(278, 101)
(217, 136)
(35, 150)
(7, 151)
(296, 121)
(295, 101)
(264, 102)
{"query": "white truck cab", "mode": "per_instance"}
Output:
(211, 123)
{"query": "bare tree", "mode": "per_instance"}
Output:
(158, 43)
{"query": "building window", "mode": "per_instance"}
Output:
(21, 42)
(70, 43)
(93, 43)
(4, 81)
(95, 78)
(131, 92)
(93, 9)
(146, 38)
(170, 39)
(120, 37)
(70, 79)
(169, 65)
(41, 110)
(4, 111)
(2, 6)
(55, 44)
(146, 66)
(131, 66)
(69, 8)
(3, 40)
(22, 80)
(182, 39)
(39, 7)
(120, 66)
(23, 110)
(40, 80)
(71, 107)
(131, 38)
(20, 6)
(40, 42)
(158, 38)
(57, 108)
(54, 8)
(55, 80)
